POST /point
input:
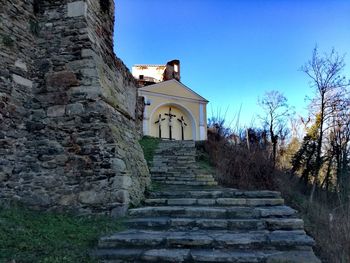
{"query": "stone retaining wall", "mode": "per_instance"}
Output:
(68, 134)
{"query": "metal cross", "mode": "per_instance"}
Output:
(183, 124)
(170, 115)
(159, 121)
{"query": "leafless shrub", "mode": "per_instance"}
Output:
(239, 165)
(328, 226)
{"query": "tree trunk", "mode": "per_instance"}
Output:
(344, 175)
(274, 143)
(319, 150)
(328, 175)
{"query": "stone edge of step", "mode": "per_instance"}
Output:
(201, 255)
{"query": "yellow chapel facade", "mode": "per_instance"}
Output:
(172, 110)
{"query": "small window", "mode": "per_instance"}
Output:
(176, 68)
(141, 77)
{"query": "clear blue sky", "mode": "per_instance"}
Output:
(232, 51)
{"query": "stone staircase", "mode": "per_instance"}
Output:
(196, 223)
(174, 163)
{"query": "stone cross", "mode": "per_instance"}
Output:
(170, 115)
(183, 125)
(159, 122)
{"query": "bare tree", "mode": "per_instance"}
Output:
(324, 73)
(276, 110)
(339, 142)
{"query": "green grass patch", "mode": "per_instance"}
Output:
(204, 163)
(46, 237)
(149, 145)
(206, 166)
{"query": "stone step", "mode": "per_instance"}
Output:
(172, 170)
(176, 151)
(202, 175)
(173, 173)
(279, 239)
(184, 181)
(194, 183)
(160, 171)
(180, 146)
(162, 223)
(175, 164)
(182, 178)
(216, 202)
(204, 255)
(163, 142)
(215, 193)
(205, 179)
(162, 160)
(175, 176)
(185, 173)
(180, 171)
(174, 157)
(213, 212)
(177, 148)
(193, 220)
(167, 157)
(171, 178)
(181, 143)
(189, 150)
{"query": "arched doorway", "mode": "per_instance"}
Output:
(172, 121)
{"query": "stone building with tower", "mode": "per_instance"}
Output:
(172, 110)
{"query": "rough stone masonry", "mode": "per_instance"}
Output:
(68, 121)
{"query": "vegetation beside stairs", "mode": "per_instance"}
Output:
(47, 237)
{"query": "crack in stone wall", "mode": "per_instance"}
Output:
(68, 137)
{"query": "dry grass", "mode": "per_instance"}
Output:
(241, 167)
(328, 226)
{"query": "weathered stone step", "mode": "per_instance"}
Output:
(164, 141)
(184, 182)
(159, 162)
(213, 212)
(169, 169)
(278, 239)
(158, 223)
(172, 146)
(172, 157)
(204, 255)
(177, 151)
(174, 172)
(215, 202)
(202, 175)
(171, 178)
(216, 193)
(187, 183)
(174, 176)
(193, 183)
(205, 179)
